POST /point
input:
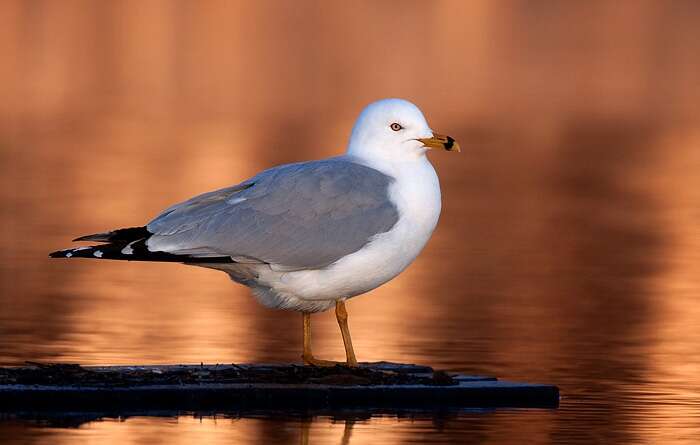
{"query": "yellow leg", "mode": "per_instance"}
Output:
(308, 356)
(304, 437)
(347, 432)
(342, 315)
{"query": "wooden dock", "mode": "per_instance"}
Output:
(384, 386)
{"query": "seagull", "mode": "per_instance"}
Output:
(310, 235)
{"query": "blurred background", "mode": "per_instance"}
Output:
(568, 249)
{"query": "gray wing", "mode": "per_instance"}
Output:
(296, 216)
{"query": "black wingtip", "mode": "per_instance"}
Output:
(128, 235)
(94, 237)
(78, 252)
(58, 254)
(138, 251)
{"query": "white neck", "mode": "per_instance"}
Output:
(416, 189)
(393, 166)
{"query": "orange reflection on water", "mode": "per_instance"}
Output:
(568, 246)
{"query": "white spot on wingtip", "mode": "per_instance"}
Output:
(236, 201)
(128, 250)
(98, 253)
(69, 254)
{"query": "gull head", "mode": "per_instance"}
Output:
(395, 130)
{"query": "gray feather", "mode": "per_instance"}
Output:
(296, 216)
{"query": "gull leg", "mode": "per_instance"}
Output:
(304, 437)
(308, 356)
(347, 432)
(342, 315)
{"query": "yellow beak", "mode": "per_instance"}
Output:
(440, 141)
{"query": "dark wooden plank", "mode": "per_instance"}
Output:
(196, 388)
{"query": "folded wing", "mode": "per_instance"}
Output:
(297, 216)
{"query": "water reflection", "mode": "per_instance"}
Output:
(348, 428)
(567, 251)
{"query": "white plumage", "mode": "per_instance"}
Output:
(308, 236)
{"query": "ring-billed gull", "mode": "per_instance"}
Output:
(310, 235)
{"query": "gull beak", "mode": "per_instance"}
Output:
(440, 141)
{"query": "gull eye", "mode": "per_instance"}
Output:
(396, 127)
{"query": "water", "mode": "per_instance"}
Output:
(576, 266)
(568, 251)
